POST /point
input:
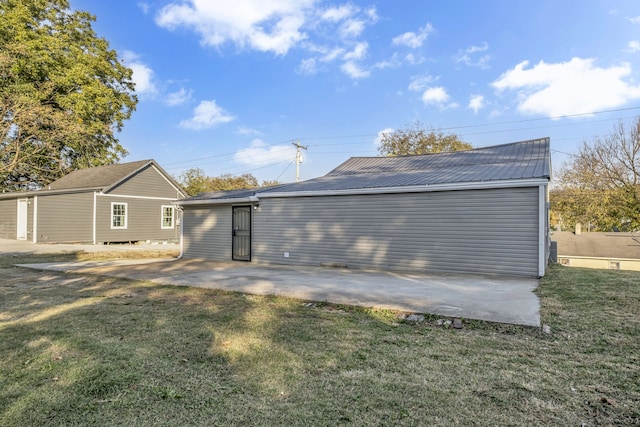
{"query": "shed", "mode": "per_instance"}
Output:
(479, 211)
(125, 202)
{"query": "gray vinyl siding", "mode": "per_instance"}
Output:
(149, 183)
(64, 218)
(144, 220)
(207, 232)
(9, 215)
(475, 231)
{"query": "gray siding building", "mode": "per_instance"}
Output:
(116, 203)
(481, 211)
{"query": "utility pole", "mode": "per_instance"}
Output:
(298, 158)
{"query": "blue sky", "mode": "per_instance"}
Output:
(227, 86)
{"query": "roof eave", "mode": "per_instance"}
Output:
(532, 182)
(22, 194)
(223, 201)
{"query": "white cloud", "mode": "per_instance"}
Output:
(307, 66)
(633, 46)
(359, 52)
(372, 14)
(352, 28)
(339, 13)
(476, 103)
(572, 87)
(383, 132)
(351, 67)
(268, 26)
(413, 59)
(207, 115)
(332, 54)
(260, 154)
(354, 70)
(144, 7)
(435, 95)
(419, 83)
(179, 97)
(245, 130)
(278, 26)
(635, 20)
(394, 62)
(143, 75)
(412, 39)
(467, 56)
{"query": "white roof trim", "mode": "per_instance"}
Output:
(413, 188)
(382, 190)
(243, 200)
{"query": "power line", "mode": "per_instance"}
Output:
(285, 169)
(592, 113)
(460, 127)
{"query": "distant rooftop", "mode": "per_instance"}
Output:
(598, 245)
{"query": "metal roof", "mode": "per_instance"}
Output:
(229, 194)
(518, 160)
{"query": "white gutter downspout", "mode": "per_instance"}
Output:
(34, 238)
(95, 193)
(179, 209)
(542, 229)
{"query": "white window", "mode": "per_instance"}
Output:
(118, 215)
(167, 216)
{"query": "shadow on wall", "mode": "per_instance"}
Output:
(463, 232)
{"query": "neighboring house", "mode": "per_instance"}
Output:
(125, 202)
(617, 251)
(478, 211)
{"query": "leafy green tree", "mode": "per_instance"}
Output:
(417, 140)
(63, 94)
(601, 184)
(231, 182)
(270, 183)
(194, 181)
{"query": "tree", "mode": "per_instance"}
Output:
(194, 181)
(230, 182)
(270, 183)
(416, 140)
(601, 184)
(63, 94)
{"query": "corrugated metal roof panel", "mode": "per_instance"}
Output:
(519, 160)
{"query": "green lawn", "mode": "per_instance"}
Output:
(89, 350)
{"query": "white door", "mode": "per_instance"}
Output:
(22, 219)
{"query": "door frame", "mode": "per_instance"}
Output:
(22, 219)
(246, 258)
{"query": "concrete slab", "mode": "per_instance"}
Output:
(492, 298)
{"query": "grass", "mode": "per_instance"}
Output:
(91, 350)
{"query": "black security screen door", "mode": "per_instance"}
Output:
(241, 233)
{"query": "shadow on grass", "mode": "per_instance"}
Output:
(82, 349)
